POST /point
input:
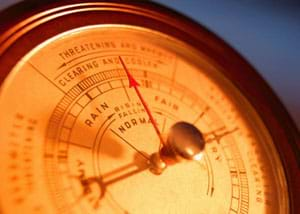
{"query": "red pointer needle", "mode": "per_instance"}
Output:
(133, 83)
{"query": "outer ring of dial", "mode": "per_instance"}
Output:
(42, 20)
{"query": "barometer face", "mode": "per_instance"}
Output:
(90, 91)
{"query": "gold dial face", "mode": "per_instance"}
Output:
(76, 135)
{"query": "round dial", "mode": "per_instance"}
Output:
(108, 117)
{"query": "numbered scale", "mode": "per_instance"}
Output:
(115, 107)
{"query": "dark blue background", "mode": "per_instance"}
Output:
(266, 33)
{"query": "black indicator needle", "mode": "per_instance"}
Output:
(123, 139)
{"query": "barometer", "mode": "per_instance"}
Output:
(129, 107)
